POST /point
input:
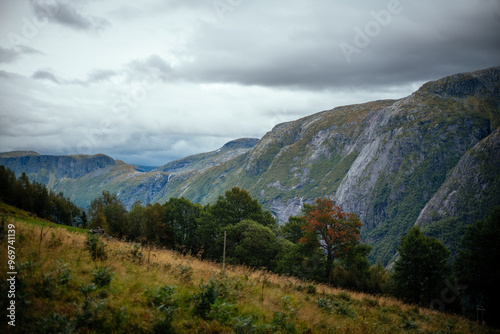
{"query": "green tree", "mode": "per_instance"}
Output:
(237, 205)
(379, 279)
(27, 200)
(156, 229)
(293, 229)
(302, 261)
(478, 266)
(135, 222)
(207, 232)
(421, 269)
(181, 216)
(252, 244)
(353, 269)
(108, 212)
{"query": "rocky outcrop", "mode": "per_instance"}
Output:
(67, 166)
(471, 189)
(430, 158)
(203, 161)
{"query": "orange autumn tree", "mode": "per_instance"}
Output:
(326, 226)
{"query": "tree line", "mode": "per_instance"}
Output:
(321, 245)
(34, 197)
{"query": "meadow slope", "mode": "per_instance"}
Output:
(61, 289)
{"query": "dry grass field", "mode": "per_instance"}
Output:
(60, 288)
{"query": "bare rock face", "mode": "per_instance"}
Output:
(430, 158)
(470, 190)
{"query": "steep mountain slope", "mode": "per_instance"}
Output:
(430, 158)
(83, 178)
(384, 160)
(203, 161)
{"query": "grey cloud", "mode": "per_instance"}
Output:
(11, 55)
(153, 65)
(100, 75)
(46, 75)
(8, 55)
(67, 15)
(138, 70)
(423, 42)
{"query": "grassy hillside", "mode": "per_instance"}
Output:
(61, 289)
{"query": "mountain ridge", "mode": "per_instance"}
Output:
(384, 160)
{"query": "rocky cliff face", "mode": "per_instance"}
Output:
(384, 160)
(430, 158)
(84, 177)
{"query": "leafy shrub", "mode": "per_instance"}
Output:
(86, 290)
(96, 247)
(223, 312)
(161, 297)
(48, 286)
(186, 273)
(92, 314)
(204, 300)
(345, 311)
(409, 324)
(241, 324)
(56, 323)
(283, 321)
(328, 304)
(384, 318)
(136, 253)
(331, 305)
(54, 242)
(63, 274)
(344, 296)
(371, 302)
(102, 276)
(311, 289)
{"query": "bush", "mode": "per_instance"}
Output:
(344, 296)
(346, 311)
(283, 321)
(102, 276)
(223, 312)
(136, 253)
(86, 290)
(186, 273)
(204, 300)
(162, 297)
(311, 289)
(327, 304)
(96, 247)
(54, 241)
(63, 274)
(56, 323)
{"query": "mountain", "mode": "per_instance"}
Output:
(83, 177)
(429, 159)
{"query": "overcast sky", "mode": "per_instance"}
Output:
(155, 80)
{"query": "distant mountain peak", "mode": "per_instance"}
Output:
(17, 154)
(240, 143)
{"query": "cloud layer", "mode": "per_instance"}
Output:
(156, 81)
